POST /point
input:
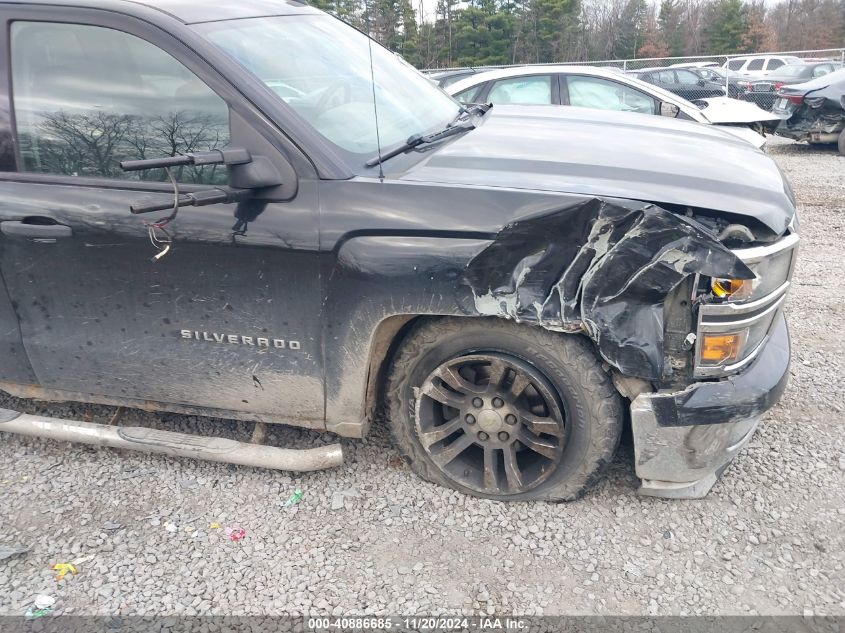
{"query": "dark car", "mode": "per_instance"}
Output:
(684, 82)
(813, 111)
(763, 91)
(250, 210)
(735, 83)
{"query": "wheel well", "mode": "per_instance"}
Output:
(386, 340)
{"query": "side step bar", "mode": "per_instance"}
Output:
(215, 449)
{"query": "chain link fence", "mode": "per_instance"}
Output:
(750, 77)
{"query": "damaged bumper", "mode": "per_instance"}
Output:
(684, 440)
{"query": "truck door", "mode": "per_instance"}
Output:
(228, 317)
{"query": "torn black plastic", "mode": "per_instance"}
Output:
(807, 121)
(601, 266)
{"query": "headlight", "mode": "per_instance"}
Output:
(736, 289)
(734, 324)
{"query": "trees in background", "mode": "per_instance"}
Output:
(445, 33)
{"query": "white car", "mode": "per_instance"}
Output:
(602, 89)
(759, 65)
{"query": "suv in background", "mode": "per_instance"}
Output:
(759, 65)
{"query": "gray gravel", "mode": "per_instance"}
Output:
(370, 538)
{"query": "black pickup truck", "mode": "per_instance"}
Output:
(250, 210)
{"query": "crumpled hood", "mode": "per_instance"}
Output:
(613, 154)
(727, 110)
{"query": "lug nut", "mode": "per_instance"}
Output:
(470, 418)
(503, 436)
(477, 403)
(510, 418)
(483, 436)
(498, 403)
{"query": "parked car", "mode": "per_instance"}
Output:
(759, 65)
(736, 84)
(684, 82)
(813, 111)
(706, 64)
(445, 78)
(587, 86)
(502, 282)
(762, 91)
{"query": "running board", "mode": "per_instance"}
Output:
(136, 438)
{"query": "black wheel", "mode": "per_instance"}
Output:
(841, 142)
(502, 411)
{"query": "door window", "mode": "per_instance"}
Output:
(756, 64)
(603, 94)
(687, 77)
(468, 95)
(532, 90)
(774, 63)
(88, 97)
(822, 70)
(665, 77)
(735, 64)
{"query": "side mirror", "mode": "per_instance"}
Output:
(247, 173)
(669, 109)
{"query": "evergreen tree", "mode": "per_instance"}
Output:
(631, 29)
(725, 26)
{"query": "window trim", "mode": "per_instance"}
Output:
(237, 103)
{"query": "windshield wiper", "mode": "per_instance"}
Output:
(450, 130)
(419, 139)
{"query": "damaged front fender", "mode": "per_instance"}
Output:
(601, 266)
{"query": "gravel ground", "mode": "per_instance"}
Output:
(370, 538)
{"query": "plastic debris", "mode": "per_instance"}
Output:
(339, 497)
(42, 606)
(170, 527)
(8, 551)
(214, 526)
(63, 569)
(235, 533)
(295, 498)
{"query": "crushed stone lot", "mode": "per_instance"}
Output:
(371, 538)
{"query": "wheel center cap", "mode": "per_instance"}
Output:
(490, 421)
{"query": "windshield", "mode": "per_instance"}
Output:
(320, 67)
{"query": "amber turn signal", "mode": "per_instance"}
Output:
(731, 288)
(718, 348)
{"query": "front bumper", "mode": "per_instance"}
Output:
(684, 440)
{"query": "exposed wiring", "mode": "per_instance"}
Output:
(163, 242)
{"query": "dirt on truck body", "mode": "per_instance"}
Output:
(503, 282)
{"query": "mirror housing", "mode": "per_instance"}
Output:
(669, 109)
(259, 173)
